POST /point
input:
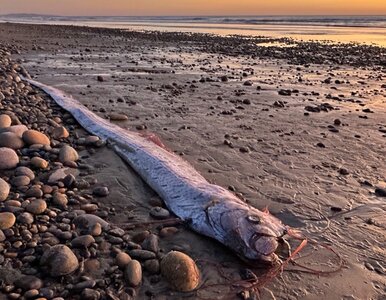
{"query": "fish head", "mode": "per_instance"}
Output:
(257, 234)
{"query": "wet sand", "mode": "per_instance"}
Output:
(299, 129)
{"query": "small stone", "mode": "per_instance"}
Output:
(25, 218)
(168, 231)
(60, 200)
(180, 271)
(101, 191)
(16, 129)
(248, 83)
(151, 243)
(4, 190)
(133, 273)
(142, 254)
(343, 171)
(59, 260)
(39, 163)
(381, 192)
(8, 159)
(122, 259)
(11, 140)
(159, 213)
(83, 241)
(96, 230)
(60, 133)
(31, 137)
(118, 117)
(5, 121)
(37, 207)
(87, 222)
(21, 180)
(152, 266)
(7, 220)
(25, 171)
(67, 153)
(244, 150)
(100, 78)
(29, 282)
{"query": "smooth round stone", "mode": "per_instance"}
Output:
(31, 137)
(142, 254)
(25, 171)
(25, 218)
(67, 154)
(34, 192)
(7, 220)
(5, 121)
(151, 243)
(152, 266)
(118, 117)
(39, 163)
(4, 190)
(159, 213)
(60, 133)
(59, 260)
(180, 271)
(60, 200)
(11, 140)
(88, 221)
(83, 241)
(29, 282)
(8, 159)
(122, 259)
(17, 129)
(21, 180)
(37, 207)
(133, 273)
(101, 191)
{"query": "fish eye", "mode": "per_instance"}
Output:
(254, 219)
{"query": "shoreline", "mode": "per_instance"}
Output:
(305, 140)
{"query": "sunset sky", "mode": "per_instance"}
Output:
(194, 7)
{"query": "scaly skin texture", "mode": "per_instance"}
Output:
(208, 209)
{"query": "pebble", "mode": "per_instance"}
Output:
(39, 163)
(88, 221)
(381, 192)
(5, 121)
(11, 140)
(83, 241)
(67, 154)
(118, 117)
(152, 266)
(31, 137)
(37, 207)
(29, 282)
(142, 254)
(168, 231)
(7, 220)
(16, 129)
(101, 191)
(151, 243)
(159, 213)
(59, 260)
(133, 273)
(180, 271)
(25, 171)
(122, 259)
(21, 180)
(4, 190)
(60, 133)
(8, 159)
(60, 200)
(25, 218)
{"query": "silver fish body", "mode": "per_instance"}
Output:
(208, 209)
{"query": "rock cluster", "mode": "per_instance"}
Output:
(55, 237)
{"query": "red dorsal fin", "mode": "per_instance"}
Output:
(153, 138)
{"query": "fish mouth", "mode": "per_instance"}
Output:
(265, 247)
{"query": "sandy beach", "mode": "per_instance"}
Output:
(298, 127)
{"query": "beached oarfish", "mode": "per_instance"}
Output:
(208, 209)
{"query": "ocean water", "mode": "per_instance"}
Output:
(359, 29)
